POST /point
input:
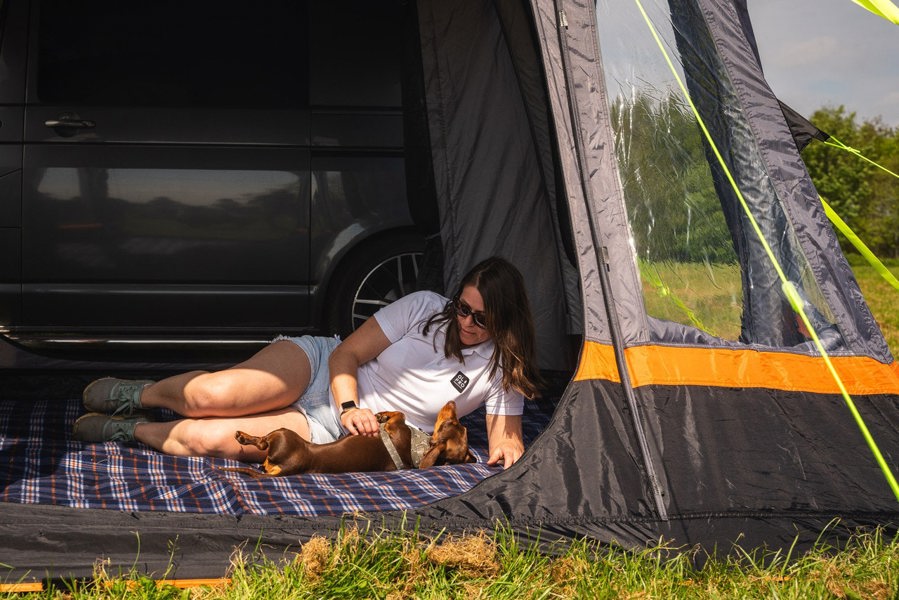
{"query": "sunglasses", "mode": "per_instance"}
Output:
(464, 311)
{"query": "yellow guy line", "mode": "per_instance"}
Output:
(832, 141)
(872, 259)
(881, 8)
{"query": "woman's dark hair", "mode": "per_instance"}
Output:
(509, 323)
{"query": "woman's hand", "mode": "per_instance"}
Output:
(506, 441)
(508, 453)
(360, 421)
(361, 346)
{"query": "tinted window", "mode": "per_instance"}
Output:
(355, 51)
(162, 53)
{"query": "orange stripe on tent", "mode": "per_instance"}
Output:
(130, 584)
(726, 367)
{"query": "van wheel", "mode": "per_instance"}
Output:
(372, 277)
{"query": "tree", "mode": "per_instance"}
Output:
(862, 194)
(674, 211)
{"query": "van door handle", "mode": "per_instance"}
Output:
(70, 123)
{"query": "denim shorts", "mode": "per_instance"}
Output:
(316, 402)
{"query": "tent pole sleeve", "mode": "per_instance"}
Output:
(603, 272)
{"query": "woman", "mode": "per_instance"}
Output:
(413, 356)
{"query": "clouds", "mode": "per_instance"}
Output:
(805, 53)
(829, 52)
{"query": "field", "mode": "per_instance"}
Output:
(883, 300)
(403, 565)
(709, 297)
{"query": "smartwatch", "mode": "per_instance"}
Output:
(346, 406)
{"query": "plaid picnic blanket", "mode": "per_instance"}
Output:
(41, 464)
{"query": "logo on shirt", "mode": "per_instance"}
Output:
(460, 382)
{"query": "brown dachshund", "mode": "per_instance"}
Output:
(449, 442)
(289, 454)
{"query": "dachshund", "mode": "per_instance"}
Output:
(288, 454)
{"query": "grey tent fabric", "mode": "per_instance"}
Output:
(803, 131)
(794, 187)
(681, 462)
(767, 316)
(493, 184)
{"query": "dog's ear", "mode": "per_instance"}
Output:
(434, 456)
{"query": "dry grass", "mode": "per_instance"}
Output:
(472, 556)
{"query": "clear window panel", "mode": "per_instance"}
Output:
(700, 261)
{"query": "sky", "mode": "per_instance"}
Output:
(829, 53)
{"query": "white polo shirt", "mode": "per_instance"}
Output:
(413, 376)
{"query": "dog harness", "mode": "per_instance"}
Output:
(419, 444)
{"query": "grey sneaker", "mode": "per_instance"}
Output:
(96, 427)
(114, 396)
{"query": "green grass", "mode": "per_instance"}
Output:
(706, 296)
(883, 300)
(403, 565)
(709, 296)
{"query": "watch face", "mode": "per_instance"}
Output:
(348, 405)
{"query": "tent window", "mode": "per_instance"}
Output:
(700, 261)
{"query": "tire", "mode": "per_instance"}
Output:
(371, 277)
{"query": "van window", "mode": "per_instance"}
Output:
(205, 53)
(355, 53)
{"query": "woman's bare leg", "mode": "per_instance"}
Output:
(215, 437)
(272, 379)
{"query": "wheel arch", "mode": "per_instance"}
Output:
(349, 253)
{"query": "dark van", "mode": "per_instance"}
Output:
(204, 174)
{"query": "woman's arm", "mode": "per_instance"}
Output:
(505, 438)
(361, 346)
